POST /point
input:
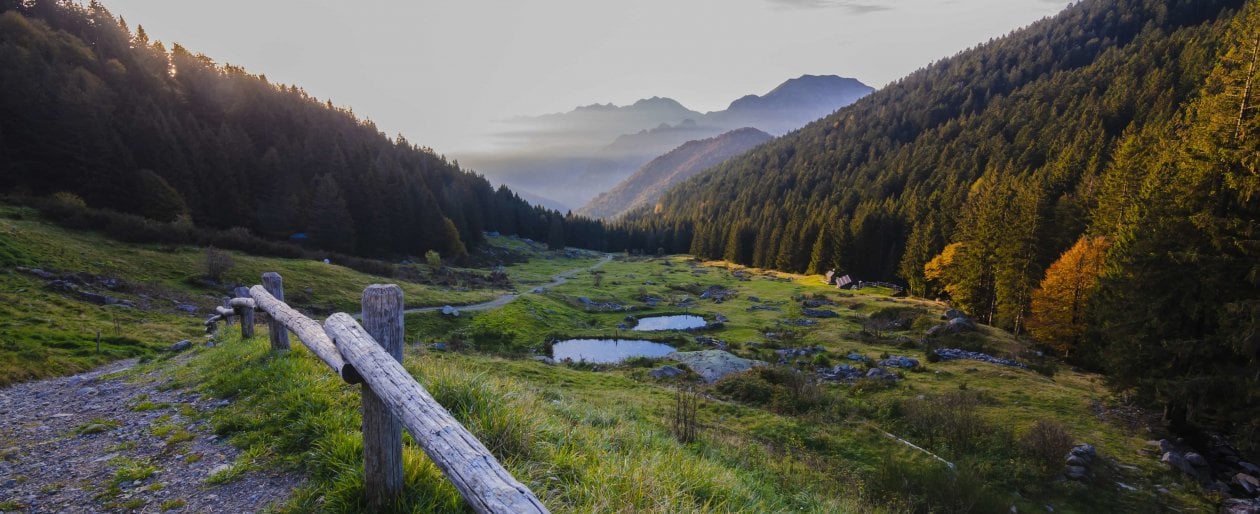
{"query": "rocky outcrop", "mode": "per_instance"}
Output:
(712, 365)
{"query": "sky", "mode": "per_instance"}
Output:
(442, 72)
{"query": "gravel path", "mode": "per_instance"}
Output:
(507, 298)
(101, 442)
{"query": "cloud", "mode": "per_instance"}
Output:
(848, 5)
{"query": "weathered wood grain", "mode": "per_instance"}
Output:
(275, 286)
(308, 331)
(474, 471)
(382, 308)
(245, 306)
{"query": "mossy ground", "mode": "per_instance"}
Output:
(592, 439)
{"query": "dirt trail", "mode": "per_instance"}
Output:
(107, 440)
(508, 298)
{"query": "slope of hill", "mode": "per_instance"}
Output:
(647, 184)
(89, 108)
(1085, 124)
(573, 156)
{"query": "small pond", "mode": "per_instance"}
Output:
(678, 322)
(607, 351)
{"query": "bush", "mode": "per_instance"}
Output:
(781, 388)
(900, 486)
(1046, 443)
(217, 263)
(747, 386)
(949, 420)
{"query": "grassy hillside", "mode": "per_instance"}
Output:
(598, 438)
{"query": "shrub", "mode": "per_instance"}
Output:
(433, 259)
(900, 486)
(747, 386)
(950, 420)
(217, 263)
(1046, 443)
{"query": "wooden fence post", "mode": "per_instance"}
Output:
(279, 334)
(247, 314)
(382, 433)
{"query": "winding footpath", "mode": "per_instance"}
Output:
(509, 297)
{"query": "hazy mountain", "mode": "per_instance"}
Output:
(647, 184)
(573, 156)
(791, 105)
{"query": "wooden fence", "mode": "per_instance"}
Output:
(371, 354)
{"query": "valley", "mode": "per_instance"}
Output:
(801, 432)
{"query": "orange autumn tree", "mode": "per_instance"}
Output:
(1058, 306)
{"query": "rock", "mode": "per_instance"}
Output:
(1164, 445)
(898, 361)
(1076, 473)
(1076, 460)
(221, 468)
(87, 391)
(961, 324)
(880, 373)
(186, 307)
(754, 299)
(666, 372)
(181, 346)
(720, 318)
(819, 313)
(1176, 461)
(953, 353)
(1240, 506)
(712, 365)
(1246, 483)
(441, 347)
(1085, 451)
(953, 313)
(1249, 468)
(447, 310)
(1196, 460)
(857, 357)
(545, 359)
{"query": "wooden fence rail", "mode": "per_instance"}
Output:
(392, 397)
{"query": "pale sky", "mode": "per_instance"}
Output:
(441, 72)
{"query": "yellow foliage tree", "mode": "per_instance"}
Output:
(1058, 305)
(937, 272)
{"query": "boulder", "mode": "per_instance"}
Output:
(1240, 506)
(1246, 483)
(181, 346)
(1249, 468)
(447, 310)
(953, 313)
(1196, 460)
(1085, 451)
(712, 365)
(880, 373)
(186, 307)
(898, 361)
(1076, 473)
(962, 324)
(666, 372)
(819, 313)
(1176, 461)
(543, 359)
(1076, 460)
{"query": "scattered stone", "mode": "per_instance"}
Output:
(858, 357)
(1246, 483)
(1196, 460)
(1240, 506)
(447, 310)
(819, 313)
(1176, 461)
(666, 372)
(87, 391)
(545, 359)
(954, 353)
(898, 361)
(815, 303)
(720, 318)
(186, 307)
(441, 347)
(880, 374)
(798, 322)
(754, 299)
(713, 341)
(181, 346)
(764, 308)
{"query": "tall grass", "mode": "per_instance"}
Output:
(288, 410)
